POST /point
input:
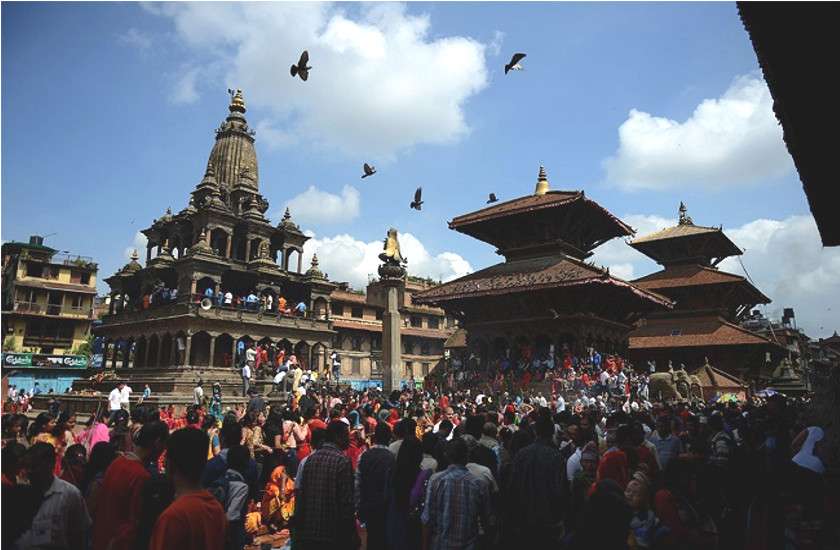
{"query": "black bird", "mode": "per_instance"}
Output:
(369, 170)
(514, 63)
(492, 198)
(301, 68)
(417, 203)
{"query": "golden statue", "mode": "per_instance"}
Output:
(392, 253)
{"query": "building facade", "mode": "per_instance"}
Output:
(357, 320)
(48, 306)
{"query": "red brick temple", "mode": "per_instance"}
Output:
(545, 293)
(709, 304)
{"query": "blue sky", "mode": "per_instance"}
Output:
(108, 113)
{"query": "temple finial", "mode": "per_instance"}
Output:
(237, 102)
(134, 255)
(684, 217)
(542, 182)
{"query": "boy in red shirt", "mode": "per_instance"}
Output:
(195, 520)
(118, 499)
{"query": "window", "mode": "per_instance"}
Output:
(34, 269)
(409, 369)
(434, 322)
(356, 363)
(378, 314)
(75, 277)
(51, 272)
(425, 347)
(425, 369)
(76, 302)
(376, 342)
(337, 309)
(357, 312)
(85, 279)
(676, 332)
(356, 343)
(408, 348)
(416, 321)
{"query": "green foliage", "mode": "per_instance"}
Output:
(86, 347)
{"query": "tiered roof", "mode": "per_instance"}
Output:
(686, 243)
(691, 332)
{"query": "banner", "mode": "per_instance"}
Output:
(18, 360)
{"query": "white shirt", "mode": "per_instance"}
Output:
(573, 465)
(125, 394)
(228, 298)
(561, 404)
(246, 371)
(198, 395)
(115, 399)
(62, 519)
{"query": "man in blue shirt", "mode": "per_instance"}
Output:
(301, 309)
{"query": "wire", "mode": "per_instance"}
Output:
(763, 306)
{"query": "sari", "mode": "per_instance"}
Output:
(278, 502)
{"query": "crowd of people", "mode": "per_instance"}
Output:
(472, 468)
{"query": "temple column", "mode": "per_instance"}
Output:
(187, 349)
(112, 304)
(247, 249)
(148, 253)
(174, 352)
(154, 361)
(233, 351)
(300, 261)
(212, 350)
(193, 284)
(229, 245)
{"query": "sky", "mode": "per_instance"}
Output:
(108, 112)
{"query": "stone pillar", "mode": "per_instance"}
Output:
(233, 351)
(212, 350)
(229, 245)
(187, 348)
(148, 253)
(300, 261)
(193, 284)
(173, 353)
(247, 249)
(391, 326)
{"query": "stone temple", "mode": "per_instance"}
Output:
(165, 329)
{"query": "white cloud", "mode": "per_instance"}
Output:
(731, 140)
(139, 245)
(344, 258)
(314, 206)
(624, 261)
(136, 38)
(789, 264)
(380, 83)
(495, 46)
(185, 86)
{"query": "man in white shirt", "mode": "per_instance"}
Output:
(198, 393)
(246, 378)
(228, 298)
(125, 395)
(62, 519)
(115, 400)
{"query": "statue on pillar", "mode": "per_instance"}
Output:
(393, 262)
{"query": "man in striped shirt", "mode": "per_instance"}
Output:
(456, 503)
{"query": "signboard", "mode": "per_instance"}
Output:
(18, 360)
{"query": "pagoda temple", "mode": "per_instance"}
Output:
(168, 321)
(545, 294)
(704, 325)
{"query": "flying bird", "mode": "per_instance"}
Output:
(514, 63)
(492, 198)
(369, 170)
(417, 203)
(301, 68)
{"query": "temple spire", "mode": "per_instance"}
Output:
(542, 182)
(237, 102)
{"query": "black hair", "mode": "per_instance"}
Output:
(38, 425)
(192, 416)
(230, 434)
(12, 457)
(319, 436)
(405, 471)
(430, 443)
(239, 458)
(208, 422)
(456, 451)
(156, 495)
(382, 434)
(101, 456)
(337, 433)
(151, 433)
(186, 453)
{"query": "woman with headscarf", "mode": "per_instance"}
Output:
(404, 493)
(96, 431)
(278, 503)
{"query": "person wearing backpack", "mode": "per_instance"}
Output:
(231, 490)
